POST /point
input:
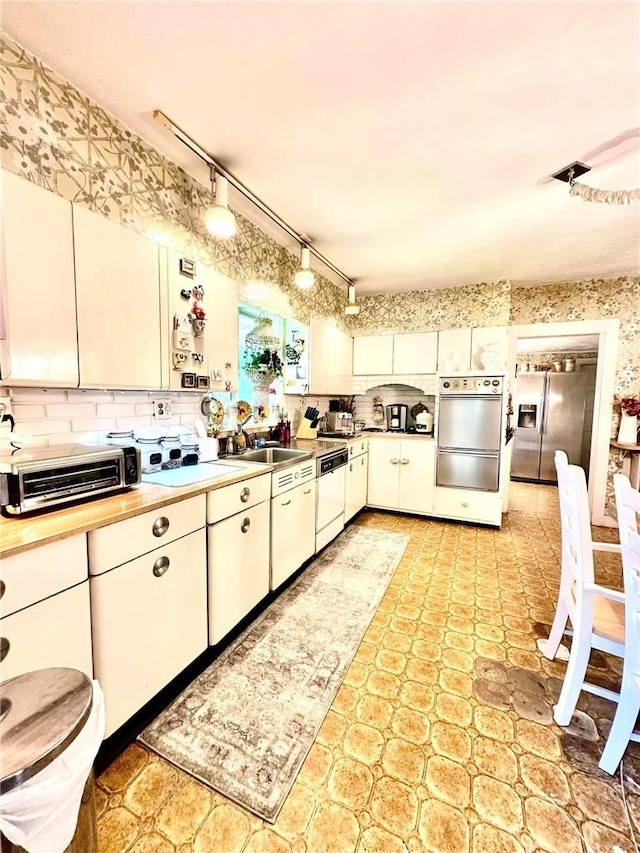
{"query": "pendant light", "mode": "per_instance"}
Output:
(352, 308)
(218, 219)
(304, 278)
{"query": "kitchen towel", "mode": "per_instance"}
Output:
(246, 724)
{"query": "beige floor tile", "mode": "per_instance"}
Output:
(440, 739)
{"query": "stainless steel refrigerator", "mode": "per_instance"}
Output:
(549, 416)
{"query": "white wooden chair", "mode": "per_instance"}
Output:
(596, 612)
(622, 729)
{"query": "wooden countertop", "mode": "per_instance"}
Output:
(20, 533)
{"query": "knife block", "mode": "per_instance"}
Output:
(305, 430)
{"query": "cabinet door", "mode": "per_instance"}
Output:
(454, 350)
(118, 291)
(54, 632)
(318, 356)
(415, 353)
(293, 531)
(238, 549)
(149, 621)
(296, 365)
(372, 354)
(356, 486)
(40, 291)
(339, 361)
(384, 476)
(417, 475)
(489, 345)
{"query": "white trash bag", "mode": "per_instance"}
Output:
(41, 814)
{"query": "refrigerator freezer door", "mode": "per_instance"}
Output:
(468, 470)
(529, 416)
(470, 423)
(563, 421)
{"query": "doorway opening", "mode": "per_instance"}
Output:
(553, 402)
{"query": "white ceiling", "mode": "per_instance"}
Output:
(412, 141)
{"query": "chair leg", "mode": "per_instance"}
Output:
(557, 630)
(574, 676)
(621, 729)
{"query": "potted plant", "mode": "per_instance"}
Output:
(630, 410)
(197, 317)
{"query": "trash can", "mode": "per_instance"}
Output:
(51, 726)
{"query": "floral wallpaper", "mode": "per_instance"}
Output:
(58, 138)
(486, 304)
(596, 299)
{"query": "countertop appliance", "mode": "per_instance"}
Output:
(340, 422)
(424, 422)
(48, 476)
(397, 417)
(470, 416)
(331, 468)
(549, 414)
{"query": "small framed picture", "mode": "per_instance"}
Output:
(203, 381)
(188, 380)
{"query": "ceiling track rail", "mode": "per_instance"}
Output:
(200, 152)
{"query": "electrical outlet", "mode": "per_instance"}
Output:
(161, 409)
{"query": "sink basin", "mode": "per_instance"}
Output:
(277, 456)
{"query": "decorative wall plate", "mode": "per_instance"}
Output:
(244, 411)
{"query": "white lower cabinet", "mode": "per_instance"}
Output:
(469, 505)
(53, 632)
(401, 474)
(293, 531)
(355, 493)
(238, 549)
(44, 605)
(149, 621)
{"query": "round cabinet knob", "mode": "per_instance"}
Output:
(160, 526)
(246, 524)
(465, 504)
(394, 461)
(5, 645)
(161, 566)
(245, 494)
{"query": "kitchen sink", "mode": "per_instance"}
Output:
(277, 456)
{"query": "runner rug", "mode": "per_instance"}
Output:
(246, 724)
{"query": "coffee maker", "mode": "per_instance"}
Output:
(397, 417)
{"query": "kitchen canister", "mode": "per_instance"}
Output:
(569, 365)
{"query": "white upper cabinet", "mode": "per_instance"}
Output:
(213, 355)
(39, 290)
(489, 347)
(416, 352)
(118, 293)
(330, 359)
(454, 350)
(372, 355)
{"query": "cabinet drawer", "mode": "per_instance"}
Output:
(116, 544)
(36, 574)
(357, 448)
(484, 507)
(221, 503)
(54, 632)
(149, 621)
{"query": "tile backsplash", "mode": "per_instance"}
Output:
(52, 417)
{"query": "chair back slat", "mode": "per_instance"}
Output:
(577, 554)
(628, 508)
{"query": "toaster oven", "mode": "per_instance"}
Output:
(48, 476)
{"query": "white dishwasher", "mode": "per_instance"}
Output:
(331, 472)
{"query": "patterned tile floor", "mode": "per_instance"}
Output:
(441, 738)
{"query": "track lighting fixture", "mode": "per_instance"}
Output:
(352, 308)
(219, 220)
(305, 278)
